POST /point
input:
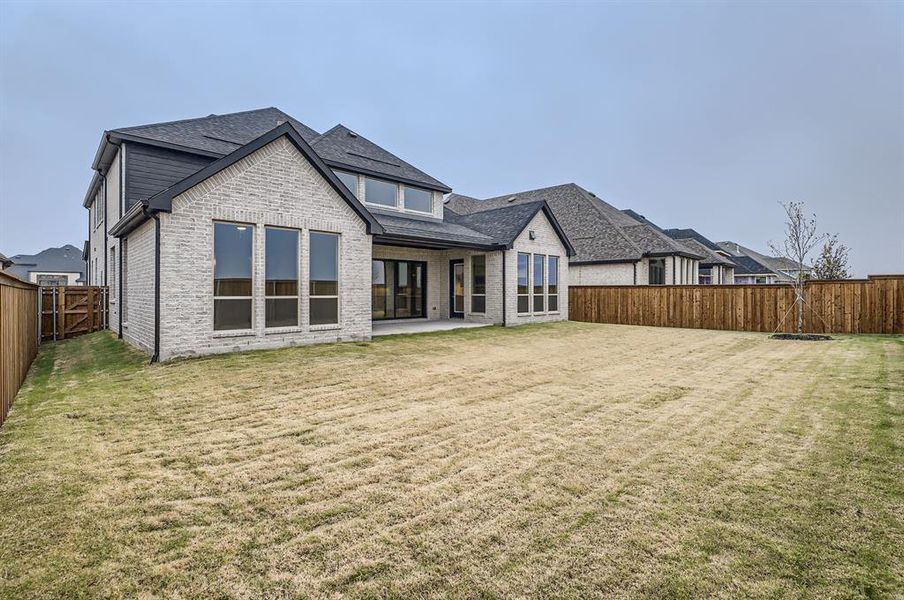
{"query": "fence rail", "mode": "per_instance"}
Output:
(67, 311)
(873, 305)
(19, 336)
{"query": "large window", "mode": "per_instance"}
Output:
(657, 271)
(539, 298)
(350, 180)
(552, 287)
(324, 275)
(418, 199)
(281, 289)
(377, 191)
(523, 283)
(479, 283)
(232, 276)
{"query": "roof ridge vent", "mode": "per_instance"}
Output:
(352, 134)
(512, 199)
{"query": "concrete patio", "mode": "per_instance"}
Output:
(409, 326)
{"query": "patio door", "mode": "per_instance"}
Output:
(398, 289)
(457, 289)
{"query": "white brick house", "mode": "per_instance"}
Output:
(251, 230)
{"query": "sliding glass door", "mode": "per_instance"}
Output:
(399, 289)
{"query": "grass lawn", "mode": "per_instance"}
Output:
(571, 460)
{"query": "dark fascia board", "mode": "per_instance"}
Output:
(610, 261)
(412, 241)
(162, 201)
(92, 190)
(134, 217)
(679, 253)
(377, 175)
(569, 249)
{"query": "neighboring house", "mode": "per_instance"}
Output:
(50, 267)
(5, 263)
(251, 230)
(612, 248)
(759, 268)
(716, 268)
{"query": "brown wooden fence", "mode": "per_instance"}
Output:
(19, 336)
(874, 305)
(68, 311)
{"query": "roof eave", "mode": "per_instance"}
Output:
(135, 216)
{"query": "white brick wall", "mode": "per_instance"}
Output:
(547, 243)
(607, 274)
(274, 186)
(139, 273)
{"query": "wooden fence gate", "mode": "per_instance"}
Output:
(68, 311)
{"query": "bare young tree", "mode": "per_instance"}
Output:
(832, 262)
(800, 239)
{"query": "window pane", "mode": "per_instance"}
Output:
(523, 304)
(478, 304)
(232, 259)
(479, 274)
(538, 303)
(416, 199)
(380, 192)
(232, 314)
(282, 262)
(282, 312)
(523, 262)
(350, 181)
(539, 259)
(324, 257)
(553, 277)
(324, 311)
(553, 303)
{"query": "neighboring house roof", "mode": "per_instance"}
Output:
(702, 245)
(4, 262)
(778, 265)
(162, 201)
(341, 146)
(598, 232)
(66, 259)
(749, 266)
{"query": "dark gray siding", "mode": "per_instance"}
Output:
(150, 169)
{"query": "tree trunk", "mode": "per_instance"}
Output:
(800, 312)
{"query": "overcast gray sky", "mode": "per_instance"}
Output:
(696, 115)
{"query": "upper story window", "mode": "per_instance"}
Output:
(350, 180)
(99, 207)
(417, 199)
(383, 193)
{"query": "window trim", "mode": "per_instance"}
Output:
(518, 294)
(398, 193)
(297, 296)
(338, 323)
(474, 285)
(213, 316)
(534, 295)
(549, 258)
(403, 192)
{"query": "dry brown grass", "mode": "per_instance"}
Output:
(570, 460)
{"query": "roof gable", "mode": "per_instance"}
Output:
(163, 201)
(341, 146)
(506, 223)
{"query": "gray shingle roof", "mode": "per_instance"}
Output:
(772, 264)
(220, 134)
(749, 266)
(66, 259)
(598, 231)
(694, 240)
(345, 147)
(427, 229)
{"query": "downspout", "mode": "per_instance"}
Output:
(635, 273)
(673, 269)
(504, 297)
(104, 183)
(156, 356)
(119, 267)
(88, 260)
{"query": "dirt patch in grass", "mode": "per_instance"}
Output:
(562, 460)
